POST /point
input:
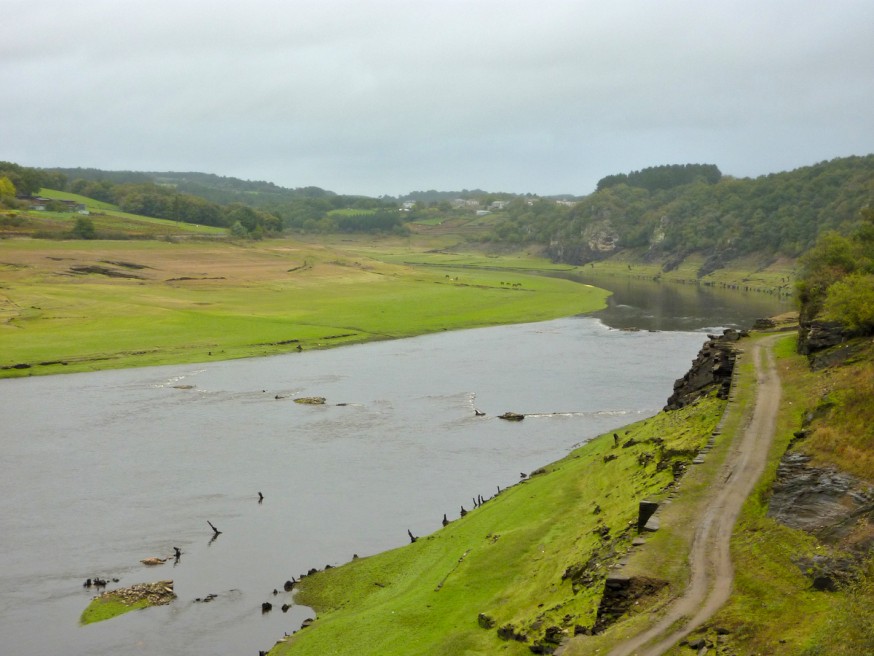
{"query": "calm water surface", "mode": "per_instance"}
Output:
(101, 470)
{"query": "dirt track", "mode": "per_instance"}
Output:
(712, 573)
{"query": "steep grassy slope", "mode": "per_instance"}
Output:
(528, 563)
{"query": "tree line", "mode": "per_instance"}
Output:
(245, 208)
(662, 212)
(666, 176)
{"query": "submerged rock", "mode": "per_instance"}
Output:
(311, 400)
(157, 594)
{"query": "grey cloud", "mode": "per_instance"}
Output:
(384, 97)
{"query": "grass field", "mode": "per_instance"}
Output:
(109, 222)
(83, 305)
(101, 609)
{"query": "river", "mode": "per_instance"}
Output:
(101, 470)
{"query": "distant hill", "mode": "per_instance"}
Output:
(720, 217)
(215, 188)
(659, 215)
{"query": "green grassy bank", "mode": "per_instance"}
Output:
(101, 609)
(529, 562)
(117, 602)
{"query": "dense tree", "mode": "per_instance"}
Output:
(664, 177)
(26, 180)
(850, 301)
(84, 228)
(377, 222)
(837, 278)
(7, 189)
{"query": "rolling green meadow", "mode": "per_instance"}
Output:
(83, 305)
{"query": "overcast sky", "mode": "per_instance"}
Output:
(380, 97)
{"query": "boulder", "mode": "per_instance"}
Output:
(310, 400)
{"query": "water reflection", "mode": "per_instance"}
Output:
(651, 305)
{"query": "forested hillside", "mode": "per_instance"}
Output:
(836, 287)
(659, 215)
(247, 208)
(719, 216)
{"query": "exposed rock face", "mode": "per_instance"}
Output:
(712, 368)
(717, 259)
(835, 355)
(764, 324)
(827, 573)
(620, 593)
(817, 335)
(601, 237)
(821, 500)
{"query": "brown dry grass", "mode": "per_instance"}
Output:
(842, 435)
(845, 436)
(194, 260)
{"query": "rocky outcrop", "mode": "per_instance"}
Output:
(827, 573)
(717, 259)
(764, 323)
(835, 355)
(824, 501)
(711, 369)
(601, 236)
(620, 595)
(817, 335)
